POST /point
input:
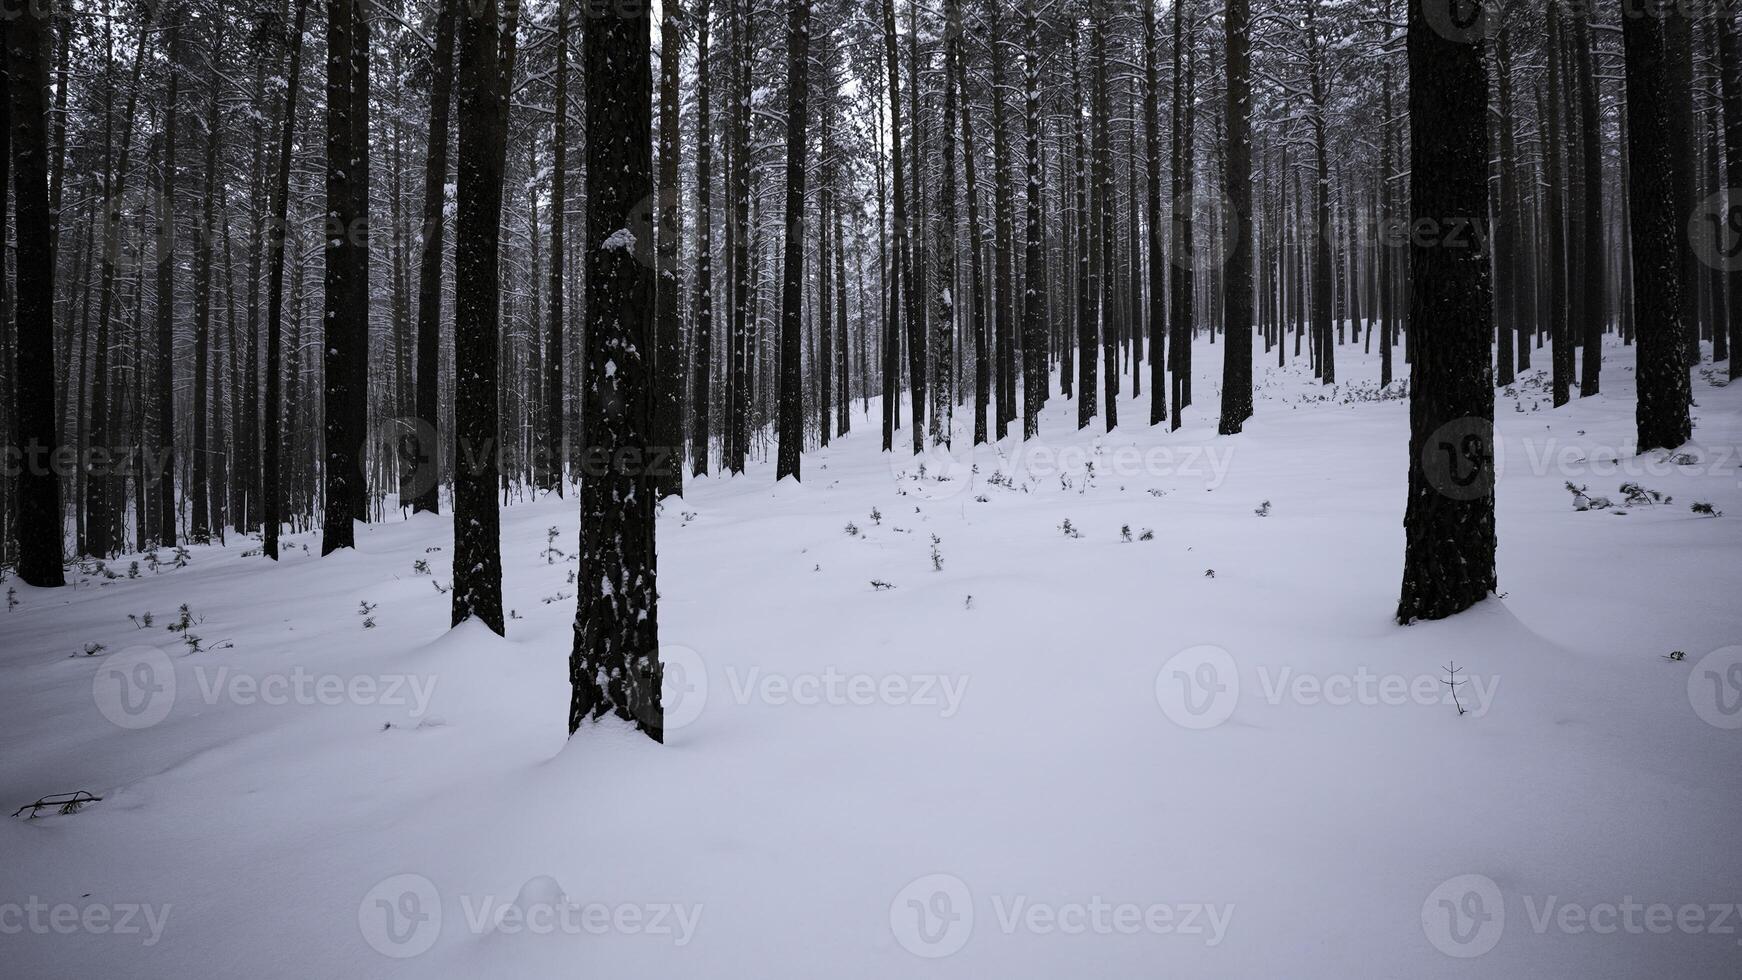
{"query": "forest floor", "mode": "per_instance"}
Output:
(1201, 749)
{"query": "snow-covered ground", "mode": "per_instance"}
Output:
(1202, 749)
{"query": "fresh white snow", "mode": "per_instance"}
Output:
(1204, 751)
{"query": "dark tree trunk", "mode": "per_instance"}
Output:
(1678, 104)
(1662, 409)
(701, 397)
(1591, 249)
(976, 248)
(1004, 233)
(429, 275)
(1730, 54)
(615, 664)
(1237, 275)
(1103, 223)
(668, 354)
(345, 335)
(1088, 290)
(1034, 366)
(483, 90)
(791, 416)
(164, 373)
(551, 453)
(273, 492)
(1157, 245)
(1448, 523)
(1506, 216)
(206, 506)
(903, 257)
(1561, 362)
(40, 517)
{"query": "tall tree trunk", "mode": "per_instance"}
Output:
(552, 455)
(1004, 233)
(345, 335)
(1157, 246)
(1034, 332)
(1088, 287)
(1237, 275)
(976, 247)
(273, 492)
(791, 417)
(1661, 413)
(1730, 54)
(1506, 222)
(1448, 522)
(40, 517)
(429, 277)
(1591, 273)
(206, 505)
(615, 663)
(702, 348)
(668, 354)
(483, 88)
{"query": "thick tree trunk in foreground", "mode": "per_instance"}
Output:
(1237, 276)
(40, 518)
(1662, 410)
(483, 126)
(615, 663)
(1448, 522)
(345, 320)
(791, 416)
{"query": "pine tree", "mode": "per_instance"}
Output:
(25, 39)
(791, 421)
(1448, 521)
(483, 127)
(273, 491)
(1237, 276)
(668, 354)
(345, 313)
(702, 355)
(1662, 409)
(615, 663)
(1034, 366)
